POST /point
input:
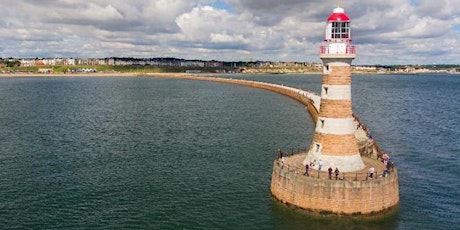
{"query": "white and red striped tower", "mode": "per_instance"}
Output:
(334, 142)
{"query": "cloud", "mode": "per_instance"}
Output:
(386, 32)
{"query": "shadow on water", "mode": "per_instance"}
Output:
(285, 217)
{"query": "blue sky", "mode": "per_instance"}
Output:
(456, 28)
(222, 5)
(385, 32)
(414, 3)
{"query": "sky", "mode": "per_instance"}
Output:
(385, 32)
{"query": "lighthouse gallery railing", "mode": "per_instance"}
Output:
(349, 49)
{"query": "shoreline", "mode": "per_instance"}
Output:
(25, 75)
(141, 74)
(112, 74)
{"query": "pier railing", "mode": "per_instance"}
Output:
(347, 50)
(313, 172)
(373, 144)
(348, 176)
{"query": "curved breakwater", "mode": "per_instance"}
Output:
(309, 99)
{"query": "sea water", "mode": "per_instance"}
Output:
(151, 153)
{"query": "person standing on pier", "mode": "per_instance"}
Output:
(371, 172)
(280, 153)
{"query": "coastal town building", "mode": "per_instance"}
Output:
(365, 68)
(254, 66)
(45, 70)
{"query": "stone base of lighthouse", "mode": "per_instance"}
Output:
(353, 194)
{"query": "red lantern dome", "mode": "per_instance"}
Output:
(338, 15)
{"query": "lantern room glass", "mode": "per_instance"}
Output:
(340, 30)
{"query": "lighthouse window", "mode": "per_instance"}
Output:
(325, 90)
(322, 123)
(340, 30)
(317, 147)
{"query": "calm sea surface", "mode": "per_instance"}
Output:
(148, 153)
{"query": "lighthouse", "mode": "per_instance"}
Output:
(353, 192)
(334, 143)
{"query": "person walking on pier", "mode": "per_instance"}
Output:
(320, 164)
(337, 172)
(307, 167)
(329, 171)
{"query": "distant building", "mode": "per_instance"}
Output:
(81, 70)
(69, 61)
(27, 62)
(45, 70)
(365, 68)
(214, 64)
(192, 64)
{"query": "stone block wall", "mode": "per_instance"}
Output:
(338, 197)
(336, 108)
(339, 75)
(337, 145)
